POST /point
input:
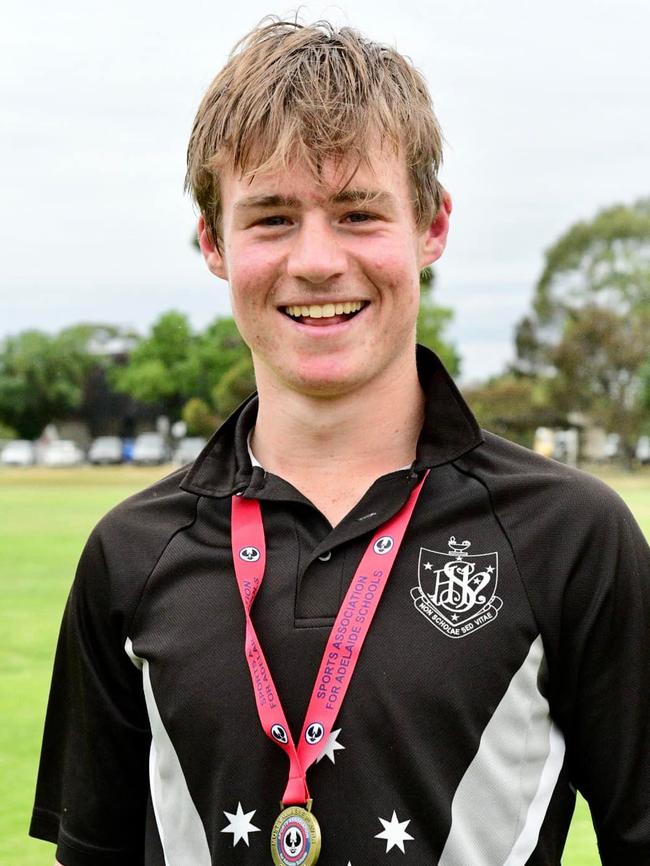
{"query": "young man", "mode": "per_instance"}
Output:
(354, 596)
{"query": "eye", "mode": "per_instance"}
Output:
(359, 217)
(273, 221)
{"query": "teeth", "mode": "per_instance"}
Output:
(324, 311)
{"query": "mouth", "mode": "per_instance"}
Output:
(324, 314)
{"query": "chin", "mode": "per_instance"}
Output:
(325, 383)
(328, 386)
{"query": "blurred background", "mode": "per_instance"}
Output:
(546, 115)
(117, 346)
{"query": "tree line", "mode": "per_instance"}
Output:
(195, 376)
(584, 347)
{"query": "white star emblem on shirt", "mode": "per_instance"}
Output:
(428, 566)
(394, 833)
(331, 746)
(240, 825)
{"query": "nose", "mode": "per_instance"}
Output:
(316, 255)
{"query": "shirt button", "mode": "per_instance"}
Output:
(325, 557)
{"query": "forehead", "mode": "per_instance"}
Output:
(381, 173)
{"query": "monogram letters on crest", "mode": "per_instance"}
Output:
(456, 590)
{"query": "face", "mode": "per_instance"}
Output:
(324, 282)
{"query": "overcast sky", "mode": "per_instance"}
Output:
(545, 108)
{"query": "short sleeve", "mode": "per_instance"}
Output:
(92, 788)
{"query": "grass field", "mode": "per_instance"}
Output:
(46, 516)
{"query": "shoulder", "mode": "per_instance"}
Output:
(577, 547)
(125, 545)
(151, 514)
(527, 488)
(569, 532)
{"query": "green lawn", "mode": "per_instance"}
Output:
(46, 516)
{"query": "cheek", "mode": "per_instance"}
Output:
(395, 261)
(251, 264)
(250, 302)
(398, 279)
(244, 277)
(250, 283)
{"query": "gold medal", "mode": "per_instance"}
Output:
(295, 837)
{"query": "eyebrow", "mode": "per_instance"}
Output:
(363, 196)
(257, 201)
(345, 196)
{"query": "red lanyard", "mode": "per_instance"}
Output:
(343, 645)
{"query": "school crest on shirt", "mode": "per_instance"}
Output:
(456, 589)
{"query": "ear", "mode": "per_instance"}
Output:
(434, 238)
(211, 253)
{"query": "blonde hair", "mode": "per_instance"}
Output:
(312, 93)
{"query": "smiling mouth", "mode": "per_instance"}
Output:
(330, 313)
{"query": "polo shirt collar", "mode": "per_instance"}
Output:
(449, 431)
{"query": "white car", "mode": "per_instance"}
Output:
(612, 446)
(189, 449)
(20, 452)
(105, 450)
(62, 452)
(643, 449)
(150, 449)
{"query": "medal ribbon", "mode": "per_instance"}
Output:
(343, 644)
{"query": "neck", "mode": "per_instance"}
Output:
(340, 443)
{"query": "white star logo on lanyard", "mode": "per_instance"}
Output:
(394, 833)
(331, 746)
(240, 825)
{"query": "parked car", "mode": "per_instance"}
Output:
(612, 446)
(188, 449)
(62, 452)
(20, 452)
(105, 450)
(643, 449)
(150, 449)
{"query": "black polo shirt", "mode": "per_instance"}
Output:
(507, 665)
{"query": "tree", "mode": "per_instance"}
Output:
(7, 432)
(645, 393)
(161, 367)
(234, 386)
(598, 361)
(605, 261)
(432, 321)
(173, 364)
(42, 377)
(220, 348)
(198, 417)
(589, 329)
(513, 406)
